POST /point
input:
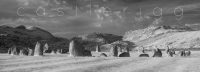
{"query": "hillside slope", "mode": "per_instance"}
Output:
(164, 36)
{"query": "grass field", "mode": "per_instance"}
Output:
(63, 63)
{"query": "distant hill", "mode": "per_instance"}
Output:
(91, 40)
(31, 31)
(163, 36)
(28, 36)
(101, 37)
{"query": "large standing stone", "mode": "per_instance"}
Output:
(75, 49)
(58, 51)
(144, 55)
(114, 51)
(38, 50)
(98, 48)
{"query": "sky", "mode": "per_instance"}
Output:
(67, 18)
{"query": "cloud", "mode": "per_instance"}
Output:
(117, 22)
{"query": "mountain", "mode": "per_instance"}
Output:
(25, 36)
(163, 36)
(23, 31)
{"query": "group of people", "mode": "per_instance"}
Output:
(170, 52)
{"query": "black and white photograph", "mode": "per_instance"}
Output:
(99, 35)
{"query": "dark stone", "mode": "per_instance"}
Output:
(144, 55)
(15, 50)
(124, 54)
(76, 49)
(182, 53)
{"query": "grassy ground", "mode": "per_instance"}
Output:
(63, 63)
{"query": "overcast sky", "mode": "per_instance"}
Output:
(62, 19)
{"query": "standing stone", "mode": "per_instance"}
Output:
(87, 53)
(157, 53)
(46, 47)
(58, 51)
(38, 50)
(98, 48)
(53, 52)
(61, 50)
(24, 51)
(124, 54)
(75, 49)
(30, 52)
(143, 54)
(114, 51)
(9, 51)
(14, 50)
(71, 48)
